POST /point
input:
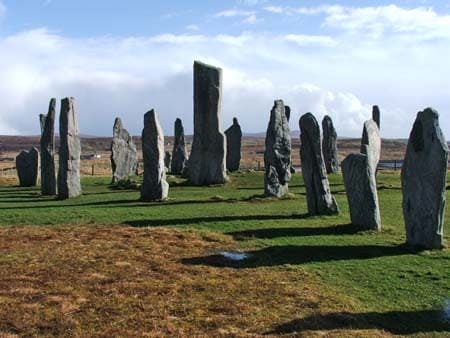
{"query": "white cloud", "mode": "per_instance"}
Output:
(127, 76)
(233, 13)
(192, 27)
(274, 9)
(307, 40)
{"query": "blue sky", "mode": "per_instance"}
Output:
(122, 58)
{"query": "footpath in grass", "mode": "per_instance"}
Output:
(303, 275)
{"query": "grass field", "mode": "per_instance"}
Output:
(106, 264)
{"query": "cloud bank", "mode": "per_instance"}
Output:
(390, 56)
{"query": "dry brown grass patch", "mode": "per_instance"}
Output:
(121, 281)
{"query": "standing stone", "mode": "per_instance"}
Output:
(208, 156)
(123, 153)
(376, 115)
(48, 173)
(154, 185)
(27, 166)
(69, 184)
(423, 182)
(167, 159)
(371, 143)
(361, 187)
(318, 194)
(179, 154)
(277, 156)
(329, 145)
(234, 138)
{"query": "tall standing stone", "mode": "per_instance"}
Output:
(329, 145)
(48, 173)
(27, 166)
(69, 184)
(123, 153)
(423, 182)
(277, 156)
(207, 163)
(376, 115)
(154, 185)
(371, 142)
(179, 154)
(318, 194)
(234, 138)
(361, 188)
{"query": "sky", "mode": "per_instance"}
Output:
(123, 58)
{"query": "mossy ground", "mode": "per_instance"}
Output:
(107, 264)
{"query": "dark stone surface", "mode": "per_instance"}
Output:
(287, 111)
(123, 153)
(27, 166)
(361, 187)
(376, 115)
(154, 185)
(69, 184)
(423, 182)
(207, 163)
(329, 145)
(167, 160)
(234, 138)
(48, 171)
(277, 156)
(179, 153)
(318, 194)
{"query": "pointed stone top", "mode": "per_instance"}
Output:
(149, 116)
(327, 118)
(205, 65)
(178, 120)
(376, 115)
(118, 123)
(235, 121)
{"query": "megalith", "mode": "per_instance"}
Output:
(287, 111)
(154, 185)
(423, 182)
(234, 138)
(48, 172)
(69, 184)
(207, 162)
(277, 156)
(318, 194)
(329, 145)
(371, 143)
(361, 188)
(179, 154)
(123, 153)
(27, 166)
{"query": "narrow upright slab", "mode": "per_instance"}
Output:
(423, 182)
(27, 166)
(318, 194)
(277, 156)
(69, 184)
(287, 111)
(234, 138)
(207, 163)
(48, 172)
(371, 143)
(329, 145)
(376, 115)
(154, 185)
(179, 154)
(123, 153)
(361, 188)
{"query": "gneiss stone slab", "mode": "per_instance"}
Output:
(207, 163)
(69, 184)
(277, 156)
(423, 182)
(154, 185)
(318, 194)
(123, 153)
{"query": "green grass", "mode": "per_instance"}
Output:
(391, 287)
